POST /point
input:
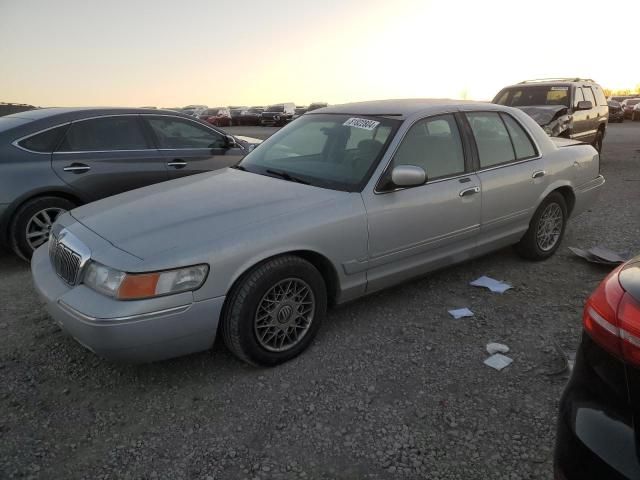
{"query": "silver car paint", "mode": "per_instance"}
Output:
(232, 220)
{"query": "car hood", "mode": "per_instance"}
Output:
(544, 114)
(197, 209)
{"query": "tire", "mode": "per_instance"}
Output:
(531, 246)
(597, 142)
(241, 328)
(29, 218)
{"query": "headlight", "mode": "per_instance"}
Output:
(131, 286)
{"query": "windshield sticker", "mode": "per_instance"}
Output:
(361, 123)
(564, 89)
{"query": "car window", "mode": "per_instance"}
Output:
(588, 95)
(174, 132)
(492, 138)
(602, 100)
(435, 145)
(45, 141)
(104, 134)
(534, 95)
(578, 96)
(521, 142)
(301, 142)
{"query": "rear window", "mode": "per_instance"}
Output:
(534, 95)
(44, 142)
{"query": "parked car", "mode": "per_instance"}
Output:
(250, 116)
(9, 108)
(194, 110)
(278, 115)
(635, 114)
(615, 112)
(598, 435)
(316, 106)
(570, 108)
(236, 113)
(299, 111)
(322, 212)
(627, 106)
(219, 116)
(54, 159)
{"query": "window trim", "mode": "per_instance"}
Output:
(516, 161)
(468, 163)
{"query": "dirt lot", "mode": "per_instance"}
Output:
(392, 388)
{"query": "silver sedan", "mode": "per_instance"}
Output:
(344, 201)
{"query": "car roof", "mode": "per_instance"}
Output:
(401, 108)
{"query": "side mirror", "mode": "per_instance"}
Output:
(230, 142)
(408, 176)
(585, 105)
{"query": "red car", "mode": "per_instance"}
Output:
(220, 116)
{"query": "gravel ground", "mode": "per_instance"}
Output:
(392, 388)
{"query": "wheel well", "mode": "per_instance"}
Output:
(569, 197)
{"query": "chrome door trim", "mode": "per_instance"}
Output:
(17, 141)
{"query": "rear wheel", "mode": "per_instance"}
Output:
(545, 230)
(31, 225)
(274, 313)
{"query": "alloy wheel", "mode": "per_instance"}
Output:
(284, 315)
(39, 226)
(549, 227)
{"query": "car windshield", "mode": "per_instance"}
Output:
(633, 102)
(211, 111)
(534, 96)
(325, 150)
(275, 108)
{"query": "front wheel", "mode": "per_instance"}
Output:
(274, 313)
(546, 229)
(32, 223)
(597, 142)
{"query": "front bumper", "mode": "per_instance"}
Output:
(132, 331)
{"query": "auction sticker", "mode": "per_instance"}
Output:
(361, 123)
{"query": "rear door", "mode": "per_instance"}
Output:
(106, 155)
(512, 175)
(188, 147)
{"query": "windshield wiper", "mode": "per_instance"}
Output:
(286, 176)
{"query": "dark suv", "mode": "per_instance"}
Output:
(278, 115)
(565, 107)
(54, 159)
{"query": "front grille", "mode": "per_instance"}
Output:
(65, 261)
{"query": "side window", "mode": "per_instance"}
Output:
(434, 144)
(492, 139)
(44, 142)
(103, 134)
(599, 95)
(521, 141)
(578, 97)
(588, 95)
(173, 132)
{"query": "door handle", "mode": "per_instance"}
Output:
(177, 163)
(538, 174)
(469, 191)
(77, 168)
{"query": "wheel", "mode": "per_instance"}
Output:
(546, 229)
(597, 142)
(275, 311)
(32, 223)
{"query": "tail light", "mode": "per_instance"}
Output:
(612, 318)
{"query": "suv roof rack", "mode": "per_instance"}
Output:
(566, 79)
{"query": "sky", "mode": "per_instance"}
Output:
(170, 53)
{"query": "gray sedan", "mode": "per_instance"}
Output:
(54, 159)
(343, 202)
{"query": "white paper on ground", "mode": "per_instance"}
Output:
(493, 285)
(498, 361)
(496, 348)
(460, 313)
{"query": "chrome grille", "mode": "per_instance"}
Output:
(65, 261)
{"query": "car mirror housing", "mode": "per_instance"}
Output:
(230, 142)
(408, 176)
(585, 105)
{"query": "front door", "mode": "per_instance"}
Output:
(414, 230)
(103, 156)
(189, 147)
